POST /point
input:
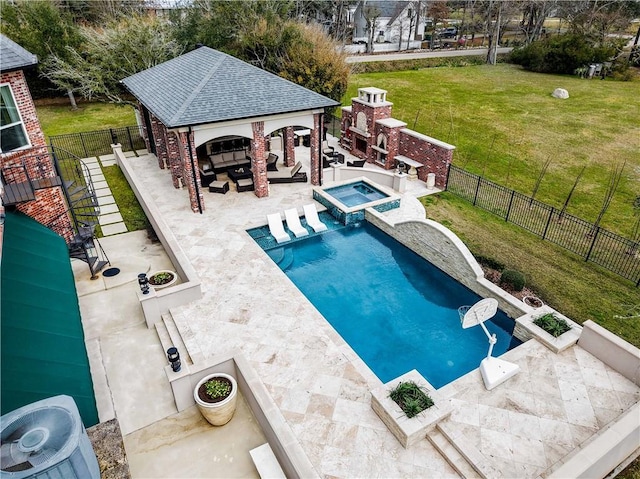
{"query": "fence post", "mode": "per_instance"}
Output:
(546, 227)
(130, 140)
(593, 243)
(84, 147)
(506, 218)
(446, 184)
(114, 137)
(475, 197)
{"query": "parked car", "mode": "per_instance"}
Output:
(449, 32)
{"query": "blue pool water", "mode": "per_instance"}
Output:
(355, 194)
(397, 311)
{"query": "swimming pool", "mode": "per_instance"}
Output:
(396, 310)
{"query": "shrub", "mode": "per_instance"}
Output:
(552, 325)
(561, 54)
(411, 398)
(512, 279)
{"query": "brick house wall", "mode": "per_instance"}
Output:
(50, 206)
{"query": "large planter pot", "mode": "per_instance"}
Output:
(217, 413)
(166, 284)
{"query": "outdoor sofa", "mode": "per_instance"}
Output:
(229, 159)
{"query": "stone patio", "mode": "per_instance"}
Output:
(520, 429)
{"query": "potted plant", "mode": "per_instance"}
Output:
(551, 324)
(411, 398)
(533, 301)
(216, 396)
(162, 279)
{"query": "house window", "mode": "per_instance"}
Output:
(13, 134)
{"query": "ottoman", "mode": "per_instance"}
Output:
(219, 186)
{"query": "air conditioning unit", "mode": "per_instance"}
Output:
(46, 439)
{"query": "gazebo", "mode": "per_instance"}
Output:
(188, 105)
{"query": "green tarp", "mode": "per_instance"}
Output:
(43, 350)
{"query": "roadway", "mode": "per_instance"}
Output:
(412, 55)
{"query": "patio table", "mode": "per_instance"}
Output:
(236, 174)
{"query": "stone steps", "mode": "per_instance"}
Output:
(188, 337)
(170, 337)
(452, 455)
(481, 466)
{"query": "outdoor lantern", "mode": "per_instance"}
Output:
(174, 358)
(144, 283)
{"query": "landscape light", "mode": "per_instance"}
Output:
(174, 359)
(144, 283)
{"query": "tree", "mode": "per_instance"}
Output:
(437, 11)
(100, 12)
(371, 15)
(110, 54)
(534, 13)
(44, 30)
(223, 24)
(598, 18)
(316, 63)
(494, 32)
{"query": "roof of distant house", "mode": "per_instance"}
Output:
(208, 86)
(386, 8)
(13, 56)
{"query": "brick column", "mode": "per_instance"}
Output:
(289, 147)
(158, 130)
(174, 152)
(315, 146)
(191, 177)
(259, 167)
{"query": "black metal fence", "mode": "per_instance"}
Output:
(593, 243)
(96, 143)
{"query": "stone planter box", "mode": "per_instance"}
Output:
(529, 330)
(409, 431)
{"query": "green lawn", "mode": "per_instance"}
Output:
(58, 120)
(505, 125)
(563, 280)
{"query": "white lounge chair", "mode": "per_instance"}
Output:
(311, 214)
(276, 228)
(293, 223)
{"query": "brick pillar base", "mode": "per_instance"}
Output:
(289, 147)
(259, 167)
(315, 146)
(191, 176)
(175, 160)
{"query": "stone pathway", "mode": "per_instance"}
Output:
(110, 219)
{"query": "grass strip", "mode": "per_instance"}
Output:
(131, 211)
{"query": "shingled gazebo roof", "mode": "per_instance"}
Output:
(208, 86)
